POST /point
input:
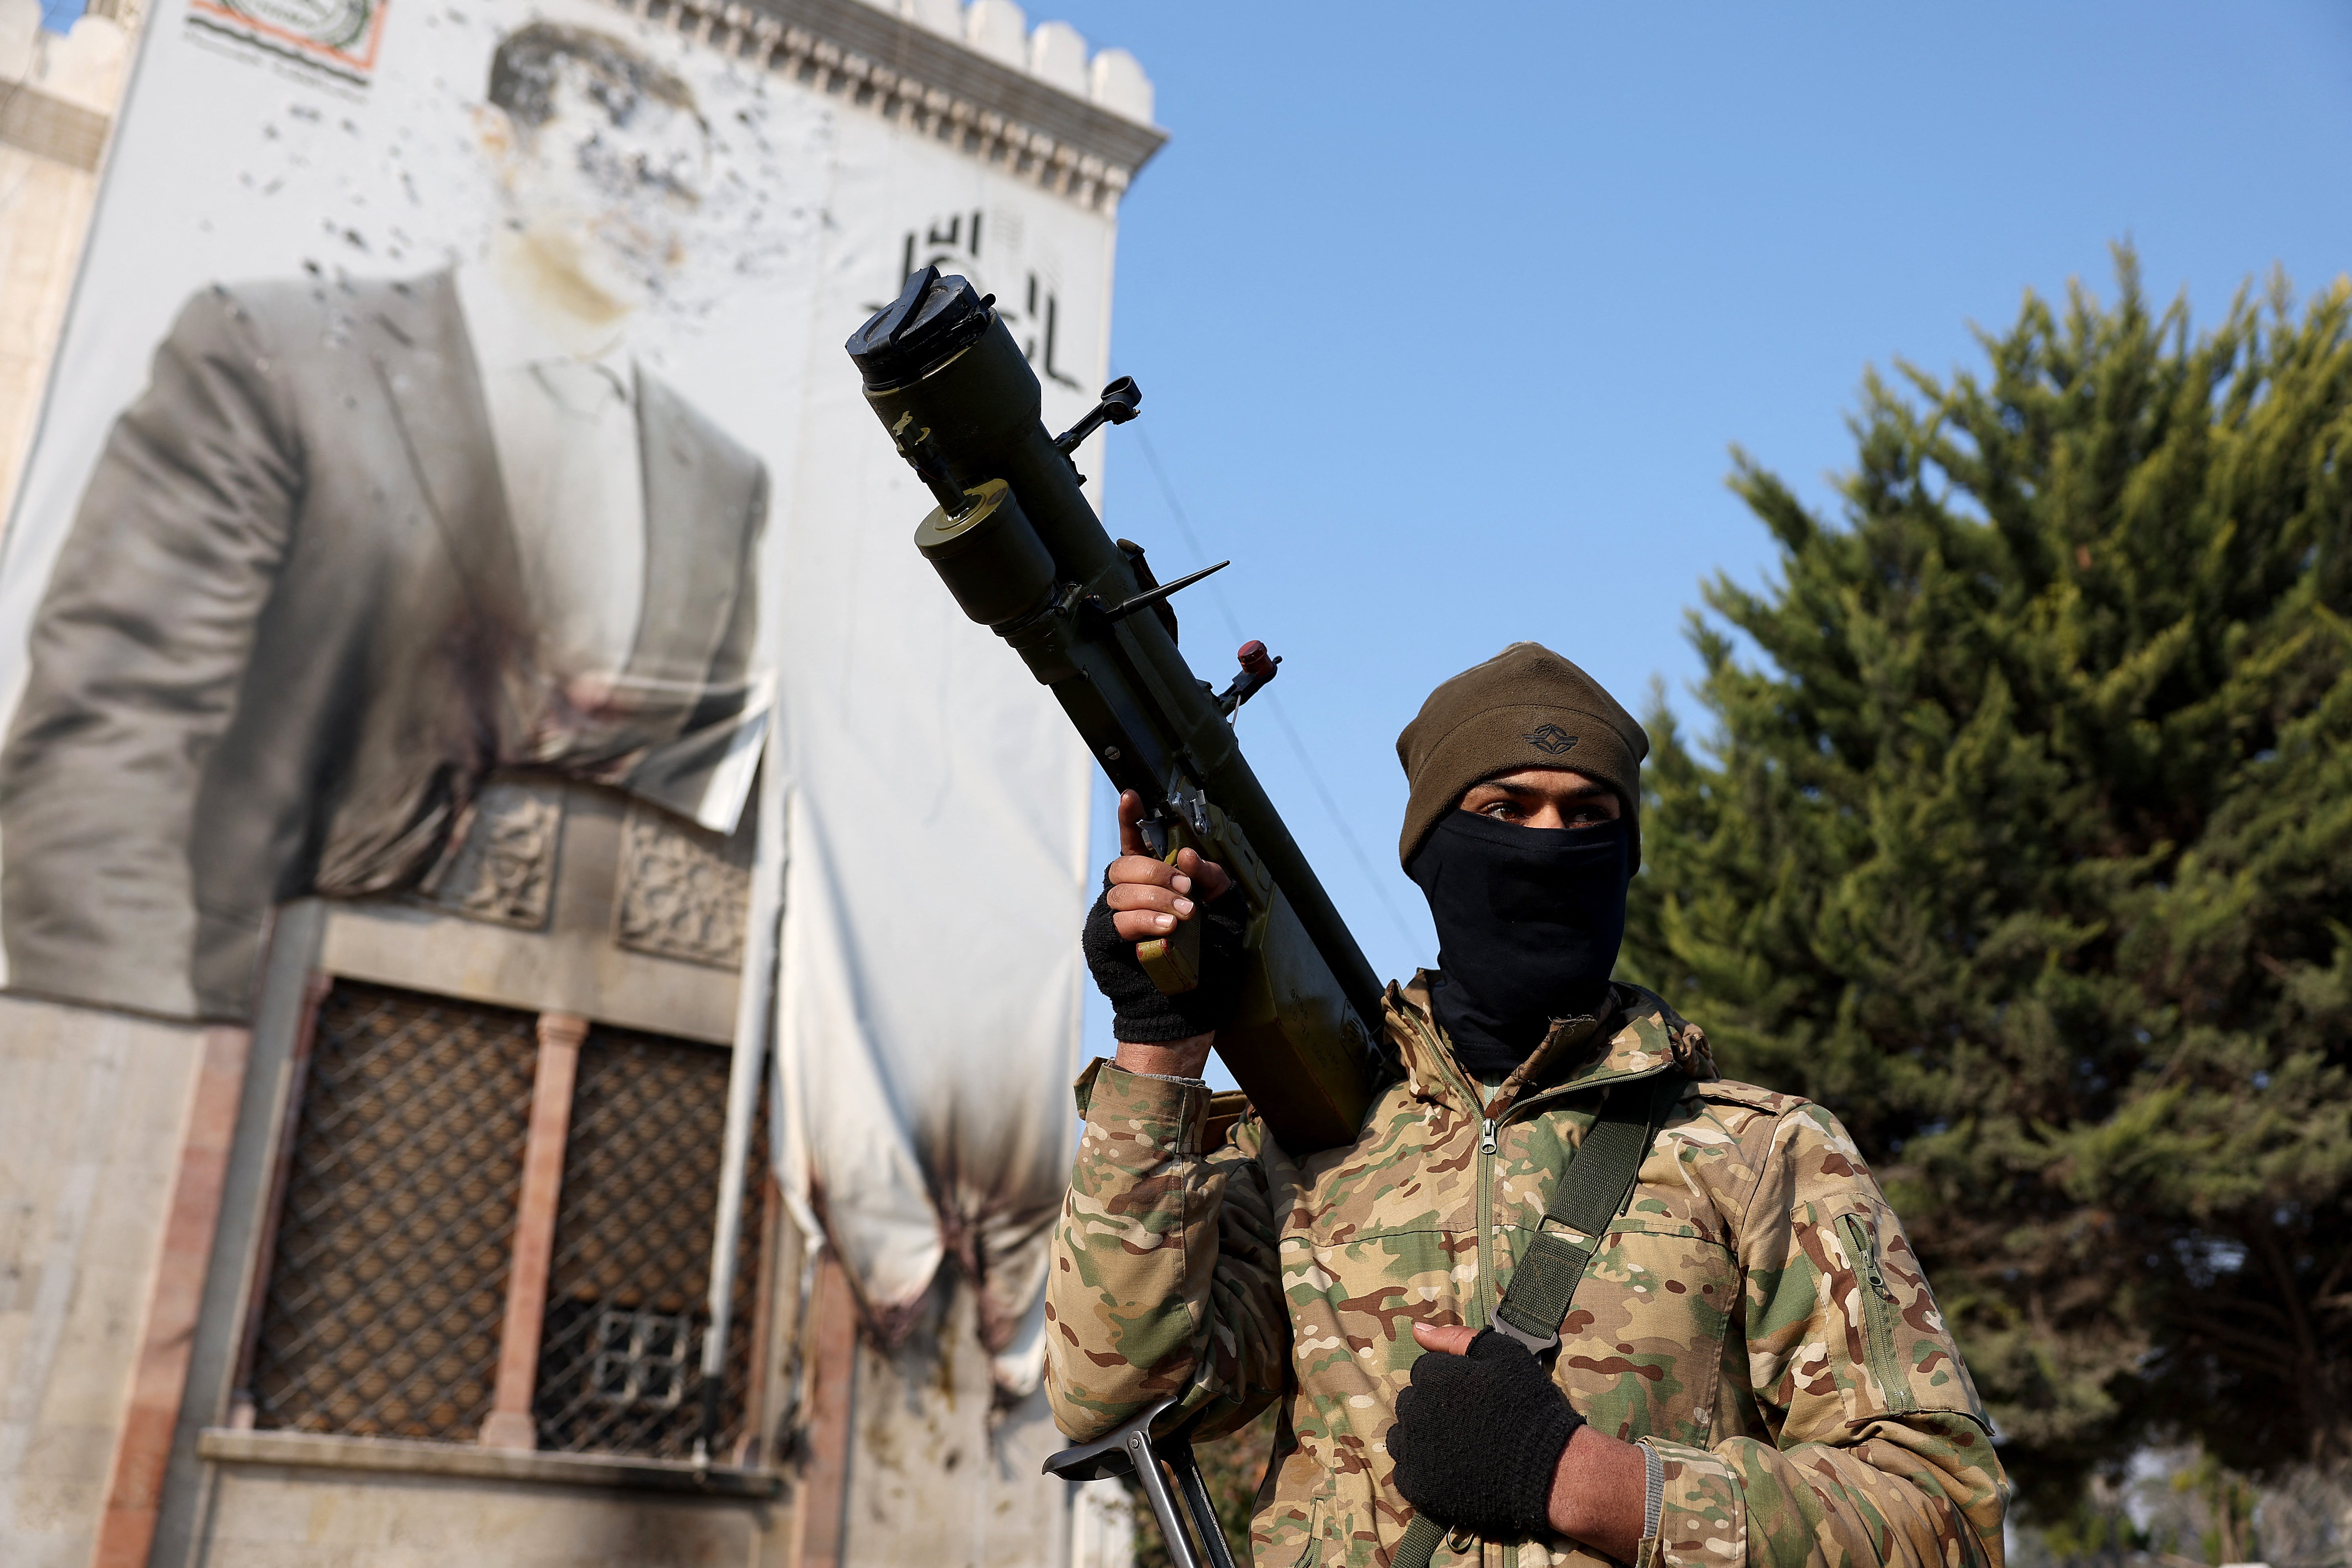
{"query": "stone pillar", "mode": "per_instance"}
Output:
(820, 1520)
(159, 1376)
(509, 1425)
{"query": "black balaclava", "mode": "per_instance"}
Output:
(1529, 923)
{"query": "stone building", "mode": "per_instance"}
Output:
(416, 1264)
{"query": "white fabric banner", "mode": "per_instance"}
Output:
(937, 872)
(458, 388)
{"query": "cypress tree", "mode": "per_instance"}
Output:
(2026, 847)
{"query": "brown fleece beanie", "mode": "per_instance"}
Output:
(1525, 707)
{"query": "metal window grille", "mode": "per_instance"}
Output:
(620, 1349)
(642, 1358)
(389, 1276)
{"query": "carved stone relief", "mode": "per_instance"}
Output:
(503, 869)
(682, 889)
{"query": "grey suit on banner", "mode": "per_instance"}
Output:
(287, 638)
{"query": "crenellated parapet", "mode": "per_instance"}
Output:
(975, 77)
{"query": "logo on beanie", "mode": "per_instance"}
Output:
(1550, 740)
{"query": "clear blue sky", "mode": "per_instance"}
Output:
(1447, 316)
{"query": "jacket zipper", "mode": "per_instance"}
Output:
(1481, 1298)
(1488, 1129)
(1486, 1296)
(1879, 1310)
(1489, 1298)
(1476, 1549)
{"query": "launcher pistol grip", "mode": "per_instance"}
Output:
(1174, 962)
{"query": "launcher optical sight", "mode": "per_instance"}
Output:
(1024, 556)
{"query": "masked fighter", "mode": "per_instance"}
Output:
(1752, 1369)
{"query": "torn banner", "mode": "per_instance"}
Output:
(929, 1002)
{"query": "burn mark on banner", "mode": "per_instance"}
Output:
(389, 185)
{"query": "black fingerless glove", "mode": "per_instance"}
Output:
(1478, 1438)
(1140, 1014)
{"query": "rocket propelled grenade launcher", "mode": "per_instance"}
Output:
(1026, 556)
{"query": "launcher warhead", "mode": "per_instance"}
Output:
(1026, 556)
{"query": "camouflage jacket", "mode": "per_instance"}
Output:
(1755, 1316)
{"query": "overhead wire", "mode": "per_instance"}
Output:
(1281, 718)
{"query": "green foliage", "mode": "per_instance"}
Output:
(2027, 849)
(2176, 1509)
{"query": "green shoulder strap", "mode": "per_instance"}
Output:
(1590, 1194)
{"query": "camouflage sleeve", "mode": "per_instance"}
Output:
(1165, 1275)
(1883, 1451)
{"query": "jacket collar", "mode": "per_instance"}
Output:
(1638, 1036)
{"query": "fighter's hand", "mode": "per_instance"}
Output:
(1483, 1435)
(1146, 895)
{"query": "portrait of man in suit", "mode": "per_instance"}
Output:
(361, 544)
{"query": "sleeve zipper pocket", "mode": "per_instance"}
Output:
(1881, 1315)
